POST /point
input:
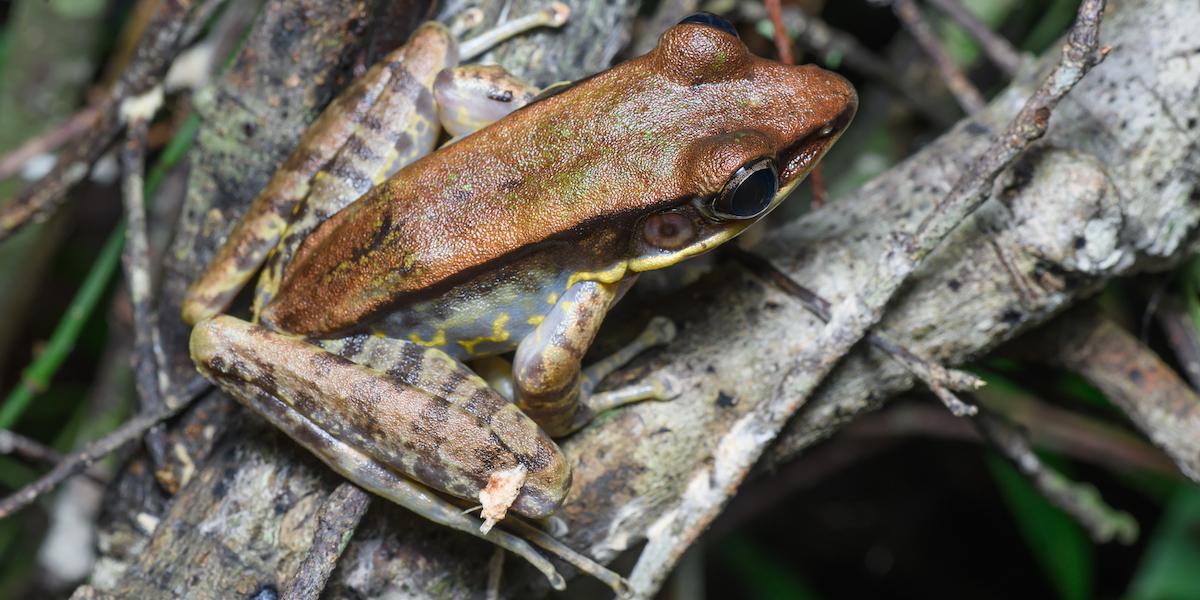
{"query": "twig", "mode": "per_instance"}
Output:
(30, 449)
(78, 461)
(76, 125)
(968, 97)
(783, 44)
(998, 49)
(12, 442)
(336, 521)
(836, 48)
(1077, 436)
(816, 182)
(495, 574)
(160, 43)
(1181, 334)
(1161, 404)
(940, 380)
(136, 260)
(36, 377)
(1081, 501)
(710, 486)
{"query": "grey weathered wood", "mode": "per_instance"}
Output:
(1112, 190)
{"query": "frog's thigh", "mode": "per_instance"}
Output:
(455, 442)
(471, 97)
(371, 476)
(260, 229)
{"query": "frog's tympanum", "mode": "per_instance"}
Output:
(390, 265)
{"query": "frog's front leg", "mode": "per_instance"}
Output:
(549, 382)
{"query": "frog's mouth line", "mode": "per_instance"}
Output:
(800, 158)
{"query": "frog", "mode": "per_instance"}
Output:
(398, 275)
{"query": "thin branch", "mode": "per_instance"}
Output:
(1154, 397)
(30, 449)
(1181, 334)
(964, 91)
(159, 45)
(48, 141)
(76, 462)
(999, 50)
(136, 260)
(711, 486)
(336, 521)
(940, 380)
(837, 49)
(495, 574)
(1077, 435)
(783, 44)
(1079, 500)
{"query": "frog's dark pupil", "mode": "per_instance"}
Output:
(753, 194)
(707, 18)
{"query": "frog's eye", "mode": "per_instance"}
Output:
(749, 192)
(711, 20)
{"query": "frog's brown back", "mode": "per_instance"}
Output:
(629, 141)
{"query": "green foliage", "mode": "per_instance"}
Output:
(1056, 541)
(36, 377)
(764, 577)
(1054, 21)
(3, 49)
(959, 44)
(1168, 567)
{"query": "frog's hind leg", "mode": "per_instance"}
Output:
(370, 425)
(297, 386)
(430, 368)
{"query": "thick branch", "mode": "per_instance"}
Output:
(1105, 194)
(1154, 397)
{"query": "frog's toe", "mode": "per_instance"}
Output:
(668, 386)
(660, 330)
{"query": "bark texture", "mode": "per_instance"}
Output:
(1111, 190)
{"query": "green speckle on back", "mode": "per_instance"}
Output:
(718, 62)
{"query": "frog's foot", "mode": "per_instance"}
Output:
(658, 386)
(660, 331)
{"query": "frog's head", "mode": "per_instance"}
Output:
(760, 128)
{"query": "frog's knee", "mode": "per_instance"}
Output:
(214, 341)
(548, 472)
(208, 341)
